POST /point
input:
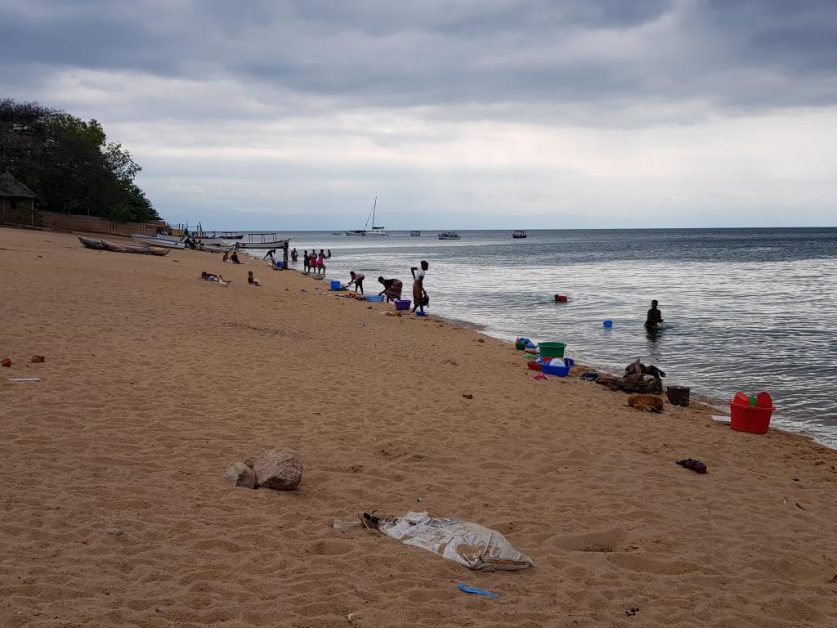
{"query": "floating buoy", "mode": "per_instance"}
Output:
(607, 324)
(560, 298)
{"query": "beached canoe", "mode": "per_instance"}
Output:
(104, 245)
(91, 243)
(166, 242)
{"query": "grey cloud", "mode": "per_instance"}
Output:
(734, 55)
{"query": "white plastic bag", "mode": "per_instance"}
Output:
(464, 542)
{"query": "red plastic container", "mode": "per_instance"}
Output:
(749, 418)
(534, 366)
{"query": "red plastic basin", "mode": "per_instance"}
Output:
(749, 418)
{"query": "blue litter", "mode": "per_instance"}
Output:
(476, 591)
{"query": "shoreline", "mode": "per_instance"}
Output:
(155, 382)
(719, 406)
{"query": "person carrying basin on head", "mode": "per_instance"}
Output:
(357, 279)
(392, 288)
(420, 298)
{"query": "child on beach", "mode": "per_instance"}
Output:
(251, 279)
(420, 298)
(205, 276)
(357, 279)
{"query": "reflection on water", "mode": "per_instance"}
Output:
(744, 309)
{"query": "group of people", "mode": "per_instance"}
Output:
(231, 257)
(315, 261)
(393, 287)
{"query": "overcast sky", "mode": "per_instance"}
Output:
(468, 114)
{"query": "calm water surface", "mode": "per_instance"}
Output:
(744, 309)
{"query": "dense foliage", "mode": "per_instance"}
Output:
(69, 163)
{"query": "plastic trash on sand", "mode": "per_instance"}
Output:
(464, 542)
(466, 588)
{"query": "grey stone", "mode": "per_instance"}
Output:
(239, 474)
(279, 470)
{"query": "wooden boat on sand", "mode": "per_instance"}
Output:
(104, 245)
(165, 242)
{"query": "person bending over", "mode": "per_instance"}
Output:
(392, 288)
(357, 279)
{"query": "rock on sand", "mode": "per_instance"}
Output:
(279, 470)
(240, 474)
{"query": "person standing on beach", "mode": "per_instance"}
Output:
(357, 279)
(321, 263)
(306, 261)
(419, 293)
(294, 255)
(654, 317)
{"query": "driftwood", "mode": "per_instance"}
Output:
(645, 384)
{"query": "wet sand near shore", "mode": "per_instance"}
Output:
(115, 508)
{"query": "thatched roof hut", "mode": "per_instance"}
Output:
(17, 202)
(11, 188)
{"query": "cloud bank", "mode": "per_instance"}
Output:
(491, 114)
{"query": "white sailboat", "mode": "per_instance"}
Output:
(375, 230)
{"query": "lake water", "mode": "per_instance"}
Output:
(744, 309)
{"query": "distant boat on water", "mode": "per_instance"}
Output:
(517, 235)
(449, 235)
(415, 234)
(375, 230)
(259, 241)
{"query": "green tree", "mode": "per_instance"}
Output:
(69, 163)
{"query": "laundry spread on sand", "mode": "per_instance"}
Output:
(464, 542)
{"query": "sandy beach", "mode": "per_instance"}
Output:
(116, 511)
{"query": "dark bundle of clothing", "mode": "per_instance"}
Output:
(638, 368)
(638, 378)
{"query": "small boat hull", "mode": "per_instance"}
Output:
(154, 241)
(104, 245)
